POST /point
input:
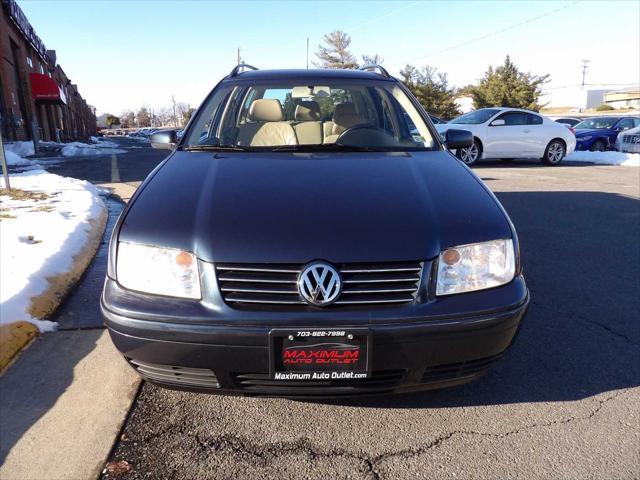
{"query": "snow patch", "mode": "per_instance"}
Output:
(22, 149)
(40, 237)
(78, 149)
(14, 159)
(606, 158)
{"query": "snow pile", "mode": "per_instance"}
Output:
(44, 223)
(16, 151)
(79, 149)
(606, 158)
(21, 149)
(15, 160)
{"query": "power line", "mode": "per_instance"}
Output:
(497, 32)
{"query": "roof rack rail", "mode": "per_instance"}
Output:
(381, 70)
(237, 69)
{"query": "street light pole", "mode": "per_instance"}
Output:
(3, 160)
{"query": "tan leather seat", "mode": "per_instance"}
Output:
(307, 124)
(266, 126)
(344, 117)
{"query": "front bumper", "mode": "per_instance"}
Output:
(413, 348)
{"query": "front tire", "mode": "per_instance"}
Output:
(470, 155)
(554, 153)
(598, 146)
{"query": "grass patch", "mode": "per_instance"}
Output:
(17, 194)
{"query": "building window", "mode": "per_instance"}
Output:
(29, 62)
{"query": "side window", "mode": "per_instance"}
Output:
(636, 122)
(534, 119)
(625, 124)
(513, 118)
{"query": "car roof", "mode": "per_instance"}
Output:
(299, 74)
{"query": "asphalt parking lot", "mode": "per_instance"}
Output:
(564, 402)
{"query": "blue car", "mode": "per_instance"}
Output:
(599, 133)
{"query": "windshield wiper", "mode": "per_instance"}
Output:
(217, 148)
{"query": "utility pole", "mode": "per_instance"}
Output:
(3, 160)
(307, 53)
(175, 118)
(585, 67)
(238, 55)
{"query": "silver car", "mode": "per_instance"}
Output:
(629, 141)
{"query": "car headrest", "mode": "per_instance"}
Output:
(266, 110)
(345, 114)
(307, 110)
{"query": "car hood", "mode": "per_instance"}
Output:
(298, 207)
(591, 131)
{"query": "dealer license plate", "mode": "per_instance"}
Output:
(319, 354)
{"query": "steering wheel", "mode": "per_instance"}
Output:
(365, 135)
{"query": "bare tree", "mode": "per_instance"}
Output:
(335, 53)
(374, 59)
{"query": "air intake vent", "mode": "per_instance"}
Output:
(192, 377)
(363, 284)
(454, 371)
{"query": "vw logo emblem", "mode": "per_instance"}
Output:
(319, 284)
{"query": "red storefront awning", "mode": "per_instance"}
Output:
(45, 89)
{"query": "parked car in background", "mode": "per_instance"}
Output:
(599, 133)
(508, 133)
(629, 141)
(436, 120)
(571, 122)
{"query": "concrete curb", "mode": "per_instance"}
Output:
(15, 336)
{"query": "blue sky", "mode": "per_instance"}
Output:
(123, 54)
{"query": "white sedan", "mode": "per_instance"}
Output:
(509, 133)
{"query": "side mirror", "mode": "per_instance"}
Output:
(455, 139)
(165, 139)
(497, 123)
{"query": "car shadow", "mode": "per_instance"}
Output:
(581, 336)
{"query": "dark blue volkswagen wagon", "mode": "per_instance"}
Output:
(310, 235)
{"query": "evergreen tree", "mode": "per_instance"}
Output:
(143, 117)
(506, 86)
(432, 90)
(112, 120)
(336, 52)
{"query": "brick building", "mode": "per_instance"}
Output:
(37, 99)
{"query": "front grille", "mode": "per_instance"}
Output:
(453, 371)
(631, 139)
(192, 377)
(363, 284)
(262, 383)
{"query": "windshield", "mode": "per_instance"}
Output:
(351, 115)
(596, 123)
(476, 117)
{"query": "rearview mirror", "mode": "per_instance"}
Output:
(497, 123)
(165, 139)
(455, 139)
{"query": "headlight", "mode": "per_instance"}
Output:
(161, 271)
(585, 138)
(475, 267)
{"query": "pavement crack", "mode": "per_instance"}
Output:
(368, 464)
